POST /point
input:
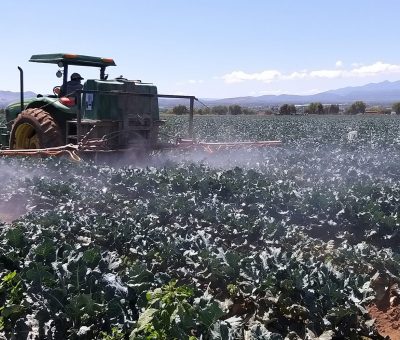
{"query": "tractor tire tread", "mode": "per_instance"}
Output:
(46, 127)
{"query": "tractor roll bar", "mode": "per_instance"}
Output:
(79, 102)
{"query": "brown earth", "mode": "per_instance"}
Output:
(386, 312)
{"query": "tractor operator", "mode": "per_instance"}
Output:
(73, 85)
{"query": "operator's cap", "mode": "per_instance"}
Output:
(76, 76)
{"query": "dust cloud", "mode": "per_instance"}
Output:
(13, 201)
(307, 164)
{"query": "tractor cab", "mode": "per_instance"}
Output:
(122, 112)
(63, 61)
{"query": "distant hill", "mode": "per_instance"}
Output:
(7, 97)
(385, 92)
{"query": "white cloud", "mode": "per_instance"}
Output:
(296, 75)
(339, 63)
(377, 68)
(326, 74)
(239, 76)
(268, 76)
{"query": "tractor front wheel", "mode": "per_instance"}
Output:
(35, 129)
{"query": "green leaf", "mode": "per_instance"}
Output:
(16, 238)
(92, 257)
(46, 250)
(146, 318)
(38, 273)
(8, 278)
(210, 313)
(83, 304)
(12, 311)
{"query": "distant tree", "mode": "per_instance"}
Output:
(315, 108)
(287, 109)
(235, 110)
(357, 107)
(203, 111)
(396, 108)
(284, 109)
(180, 110)
(292, 109)
(247, 111)
(219, 110)
(333, 109)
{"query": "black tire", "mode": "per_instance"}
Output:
(35, 129)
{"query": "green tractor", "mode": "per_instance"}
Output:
(105, 115)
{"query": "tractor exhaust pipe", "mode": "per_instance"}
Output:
(21, 86)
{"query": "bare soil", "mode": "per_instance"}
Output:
(386, 312)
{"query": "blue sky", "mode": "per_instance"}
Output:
(208, 48)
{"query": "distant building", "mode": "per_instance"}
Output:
(373, 112)
(377, 110)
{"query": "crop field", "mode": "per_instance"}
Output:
(299, 241)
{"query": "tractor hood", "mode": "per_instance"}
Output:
(14, 109)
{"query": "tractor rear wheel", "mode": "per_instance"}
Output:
(35, 129)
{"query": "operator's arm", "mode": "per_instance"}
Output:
(62, 91)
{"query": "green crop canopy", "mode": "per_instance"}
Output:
(72, 59)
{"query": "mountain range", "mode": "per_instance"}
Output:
(385, 92)
(7, 97)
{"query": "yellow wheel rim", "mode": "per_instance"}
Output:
(26, 137)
